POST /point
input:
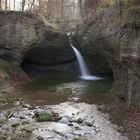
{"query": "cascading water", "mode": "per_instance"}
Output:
(85, 74)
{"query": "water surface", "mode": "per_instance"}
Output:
(54, 89)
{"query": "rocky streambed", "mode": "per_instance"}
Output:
(65, 121)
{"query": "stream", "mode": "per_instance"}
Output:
(55, 89)
(74, 102)
(76, 106)
(80, 105)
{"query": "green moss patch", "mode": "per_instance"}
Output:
(46, 117)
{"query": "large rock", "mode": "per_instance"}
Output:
(24, 37)
(113, 38)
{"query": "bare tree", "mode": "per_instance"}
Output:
(32, 4)
(5, 4)
(0, 4)
(49, 8)
(62, 7)
(9, 4)
(23, 5)
(14, 5)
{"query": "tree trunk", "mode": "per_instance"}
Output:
(0, 5)
(5, 5)
(9, 5)
(23, 5)
(62, 8)
(49, 9)
(14, 5)
(32, 5)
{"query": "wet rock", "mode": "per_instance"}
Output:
(26, 106)
(38, 111)
(2, 101)
(77, 128)
(63, 129)
(22, 117)
(2, 116)
(3, 90)
(67, 91)
(64, 120)
(14, 121)
(25, 122)
(40, 138)
(79, 120)
(70, 124)
(89, 124)
(15, 124)
(19, 103)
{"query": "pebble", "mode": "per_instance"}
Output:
(70, 124)
(90, 124)
(40, 138)
(75, 125)
(79, 120)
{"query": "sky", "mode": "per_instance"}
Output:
(18, 4)
(11, 4)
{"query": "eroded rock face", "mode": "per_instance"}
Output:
(23, 36)
(113, 38)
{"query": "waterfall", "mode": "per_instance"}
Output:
(85, 74)
(83, 67)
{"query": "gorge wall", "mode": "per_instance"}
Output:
(110, 38)
(24, 38)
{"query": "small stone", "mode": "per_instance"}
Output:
(2, 116)
(3, 91)
(26, 105)
(79, 120)
(89, 124)
(25, 122)
(31, 107)
(39, 138)
(3, 101)
(15, 125)
(22, 117)
(70, 124)
(77, 128)
(28, 130)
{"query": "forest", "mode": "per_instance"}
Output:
(69, 69)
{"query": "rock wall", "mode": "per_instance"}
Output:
(24, 36)
(112, 37)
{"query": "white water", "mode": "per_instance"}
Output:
(85, 74)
